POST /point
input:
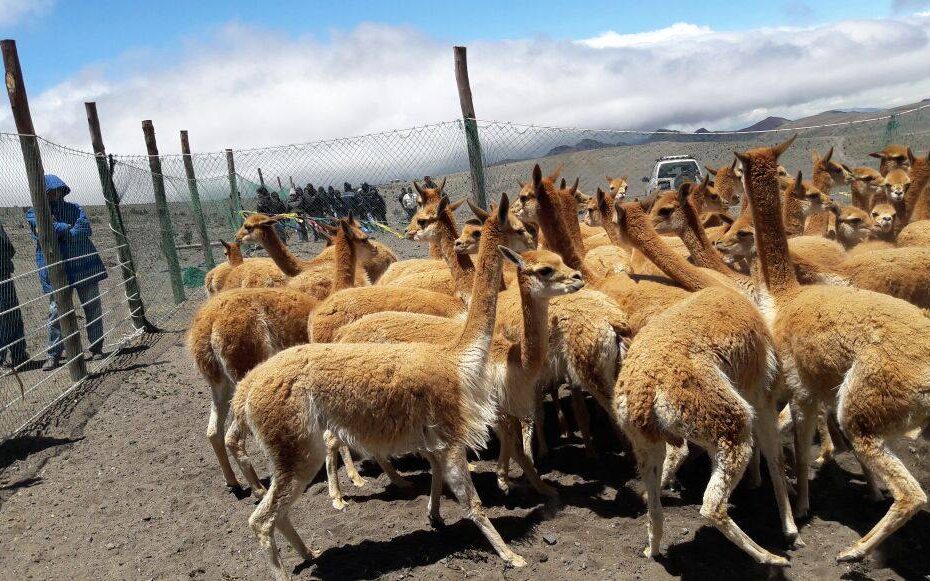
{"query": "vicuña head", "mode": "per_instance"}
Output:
(884, 216)
(728, 182)
(232, 252)
(897, 182)
(422, 227)
(617, 186)
(526, 206)
(257, 228)
(894, 157)
(470, 239)
(853, 225)
(839, 174)
(544, 273)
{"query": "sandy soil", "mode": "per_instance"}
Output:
(122, 484)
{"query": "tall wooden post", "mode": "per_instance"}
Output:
(291, 178)
(127, 265)
(261, 178)
(45, 228)
(280, 187)
(164, 217)
(471, 127)
(235, 202)
(195, 200)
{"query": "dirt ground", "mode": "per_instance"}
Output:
(122, 484)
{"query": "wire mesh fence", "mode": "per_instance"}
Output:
(313, 183)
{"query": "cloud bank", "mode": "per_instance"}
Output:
(15, 11)
(243, 87)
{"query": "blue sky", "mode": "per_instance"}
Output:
(250, 74)
(59, 40)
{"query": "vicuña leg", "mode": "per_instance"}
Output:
(352, 472)
(235, 442)
(437, 470)
(908, 496)
(729, 461)
(649, 459)
(332, 469)
(580, 407)
(805, 423)
(675, 456)
(459, 480)
(219, 408)
(768, 441)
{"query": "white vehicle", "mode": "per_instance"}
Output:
(671, 171)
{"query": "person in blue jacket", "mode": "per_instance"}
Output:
(12, 333)
(82, 264)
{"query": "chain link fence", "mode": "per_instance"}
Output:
(314, 183)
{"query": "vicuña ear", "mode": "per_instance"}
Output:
(684, 190)
(512, 256)
(478, 212)
(521, 184)
(346, 227)
(706, 181)
(877, 155)
(443, 204)
(503, 208)
(733, 165)
(574, 189)
(600, 197)
(455, 205)
(798, 186)
(225, 244)
(534, 232)
(815, 157)
(910, 156)
(442, 184)
(419, 190)
(609, 179)
(537, 175)
(829, 155)
(624, 177)
(846, 168)
(781, 147)
(742, 157)
(710, 170)
(562, 184)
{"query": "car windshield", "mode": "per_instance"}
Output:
(674, 169)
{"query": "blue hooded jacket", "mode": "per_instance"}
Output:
(73, 230)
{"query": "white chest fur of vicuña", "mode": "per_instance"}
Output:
(477, 397)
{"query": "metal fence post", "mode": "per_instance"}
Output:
(475, 160)
(164, 217)
(127, 265)
(195, 200)
(48, 241)
(235, 202)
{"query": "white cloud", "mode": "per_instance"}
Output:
(678, 32)
(14, 11)
(243, 87)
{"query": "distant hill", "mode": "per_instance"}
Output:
(766, 124)
(583, 145)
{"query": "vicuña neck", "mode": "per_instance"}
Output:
(461, 266)
(644, 237)
(535, 341)
(694, 236)
(343, 263)
(482, 310)
(794, 217)
(435, 252)
(822, 179)
(771, 240)
(920, 184)
(287, 262)
(555, 230)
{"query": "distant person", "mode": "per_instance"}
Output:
(408, 201)
(374, 203)
(82, 265)
(12, 334)
(349, 201)
(336, 204)
(429, 183)
(265, 203)
(295, 205)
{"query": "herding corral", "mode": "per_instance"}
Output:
(474, 292)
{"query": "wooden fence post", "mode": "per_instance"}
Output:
(235, 202)
(195, 200)
(475, 160)
(280, 187)
(127, 265)
(48, 241)
(261, 178)
(164, 216)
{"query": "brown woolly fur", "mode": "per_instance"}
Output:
(434, 223)
(411, 266)
(229, 337)
(853, 226)
(232, 333)
(383, 399)
(372, 268)
(893, 157)
(215, 279)
(866, 185)
(705, 371)
(916, 200)
(352, 304)
(606, 260)
(863, 353)
(885, 218)
(260, 228)
(897, 190)
(617, 187)
(517, 359)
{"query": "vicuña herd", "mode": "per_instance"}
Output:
(686, 325)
